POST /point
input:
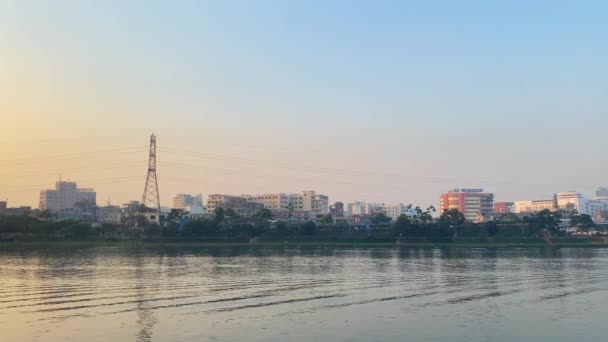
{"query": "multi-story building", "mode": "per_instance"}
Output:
(572, 201)
(601, 192)
(392, 210)
(320, 204)
(186, 201)
(308, 201)
(239, 204)
(397, 209)
(522, 207)
(3, 206)
(474, 204)
(337, 210)
(597, 209)
(503, 207)
(270, 201)
(110, 214)
(65, 196)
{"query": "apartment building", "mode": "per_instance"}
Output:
(65, 196)
(473, 203)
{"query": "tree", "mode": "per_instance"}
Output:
(402, 225)
(176, 214)
(326, 219)
(452, 217)
(380, 219)
(264, 215)
(152, 229)
(219, 214)
(582, 221)
(509, 218)
(309, 228)
(544, 219)
(492, 228)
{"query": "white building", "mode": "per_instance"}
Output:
(308, 201)
(392, 210)
(521, 207)
(572, 200)
(65, 196)
(569, 201)
(109, 214)
(397, 209)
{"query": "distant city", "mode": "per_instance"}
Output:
(68, 201)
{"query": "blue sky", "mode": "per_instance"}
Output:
(413, 97)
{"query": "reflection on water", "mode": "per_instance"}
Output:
(302, 294)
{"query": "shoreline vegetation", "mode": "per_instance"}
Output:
(226, 228)
(295, 243)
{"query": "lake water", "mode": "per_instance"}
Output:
(303, 294)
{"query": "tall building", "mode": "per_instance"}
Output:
(601, 192)
(337, 209)
(473, 203)
(3, 205)
(571, 201)
(65, 196)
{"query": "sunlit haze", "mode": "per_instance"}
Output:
(375, 101)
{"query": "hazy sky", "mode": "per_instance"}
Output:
(361, 100)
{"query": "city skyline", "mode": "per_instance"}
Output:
(390, 102)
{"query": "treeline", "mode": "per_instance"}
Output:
(228, 224)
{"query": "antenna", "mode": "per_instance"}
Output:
(151, 195)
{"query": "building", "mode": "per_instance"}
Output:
(240, 204)
(572, 201)
(392, 210)
(320, 204)
(185, 201)
(395, 210)
(65, 196)
(110, 214)
(3, 206)
(336, 210)
(307, 202)
(597, 209)
(601, 192)
(364, 208)
(474, 204)
(529, 207)
(503, 207)
(316, 204)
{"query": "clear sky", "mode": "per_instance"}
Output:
(361, 100)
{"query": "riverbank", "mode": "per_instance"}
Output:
(178, 242)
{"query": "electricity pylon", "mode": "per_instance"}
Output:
(151, 196)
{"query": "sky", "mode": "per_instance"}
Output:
(387, 101)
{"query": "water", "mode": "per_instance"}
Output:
(307, 294)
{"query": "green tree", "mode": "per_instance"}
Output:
(219, 215)
(380, 219)
(326, 220)
(264, 215)
(509, 218)
(452, 218)
(582, 221)
(492, 228)
(309, 228)
(544, 219)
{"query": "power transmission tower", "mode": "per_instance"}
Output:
(151, 196)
